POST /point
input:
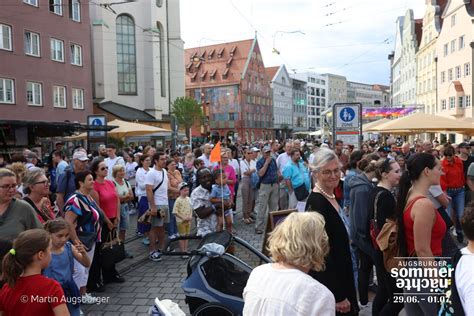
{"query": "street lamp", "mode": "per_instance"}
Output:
(276, 51)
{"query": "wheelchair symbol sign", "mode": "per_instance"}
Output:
(347, 114)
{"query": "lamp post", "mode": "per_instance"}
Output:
(276, 51)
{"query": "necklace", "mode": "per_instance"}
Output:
(329, 196)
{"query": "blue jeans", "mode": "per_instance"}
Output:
(456, 205)
(171, 226)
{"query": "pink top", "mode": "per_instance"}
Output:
(230, 173)
(107, 198)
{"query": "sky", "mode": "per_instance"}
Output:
(346, 37)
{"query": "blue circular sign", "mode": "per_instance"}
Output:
(97, 122)
(347, 114)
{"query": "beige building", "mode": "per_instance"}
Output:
(426, 56)
(337, 90)
(411, 39)
(455, 61)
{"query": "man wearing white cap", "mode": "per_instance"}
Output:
(66, 181)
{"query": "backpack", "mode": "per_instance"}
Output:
(452, 304)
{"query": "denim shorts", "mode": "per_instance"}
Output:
(124, 216)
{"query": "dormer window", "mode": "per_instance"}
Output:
(211, 53)
(212, 74)
(225, 73)
(220, 52)
(203, 75)
(229, 61)
(232, 51)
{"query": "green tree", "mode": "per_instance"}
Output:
(187, 112)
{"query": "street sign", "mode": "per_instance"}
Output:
(347, 119)
(96, 120)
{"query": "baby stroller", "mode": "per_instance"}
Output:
(215, 278)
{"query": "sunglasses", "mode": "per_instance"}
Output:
(104, 168)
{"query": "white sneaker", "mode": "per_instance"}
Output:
(155, 256)
(88, 299)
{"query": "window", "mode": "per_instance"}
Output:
(126, 55)
(75, 10)
(458, 72)
(32, 44)
(78, 99)
(450, 74)
(76, 55)
(56, 7)
(453, 20)
(443, 76)
(33, 93)
(467, 101)
(461, 42)
(5, 37)
(452, 102)
(31, 2)
(57, 50)
(445, 50)
(59, 96)
(453, 46)
(443, 104)
(460, 102)
(467, 69)
(7, 92)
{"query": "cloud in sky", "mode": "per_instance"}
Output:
(347, 37)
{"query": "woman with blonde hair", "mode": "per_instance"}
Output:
(36, 186)
(297, 245)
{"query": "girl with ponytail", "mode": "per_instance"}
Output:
(421, 227)
(26, 291)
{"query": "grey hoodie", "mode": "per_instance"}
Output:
(360, 190)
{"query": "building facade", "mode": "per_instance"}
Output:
(455, 56)
(138, 56)
(45, 64)
(316, 97)
(396, 63)
(282, 90)
(300, 110)
(426, 57)
(408, 66)
(337, 89)
(366, 94)
(230, 81)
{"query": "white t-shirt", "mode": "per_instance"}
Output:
(154, 178)
(234, 163)
(245, 166)
(140, 177)
(465, 281)
(282, 160)
(271, 291)
(110, 163)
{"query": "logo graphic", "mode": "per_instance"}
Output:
(97, 122)
(347, 114)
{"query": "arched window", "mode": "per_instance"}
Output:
(162, 60)
(126, 55)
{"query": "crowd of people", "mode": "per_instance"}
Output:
(56, 213)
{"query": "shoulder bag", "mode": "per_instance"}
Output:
(374, 230)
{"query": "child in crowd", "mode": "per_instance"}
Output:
(184, 214)
(22, 267)
(61, 266)
(220, 191)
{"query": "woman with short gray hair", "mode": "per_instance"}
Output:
(36, 188)
(338, 276)
(16, 216)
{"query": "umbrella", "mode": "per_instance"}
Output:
(125, 129)
(422, 122)
(367, 126)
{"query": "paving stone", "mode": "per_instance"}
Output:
(127, 308)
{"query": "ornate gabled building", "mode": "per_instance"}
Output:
(230, 81)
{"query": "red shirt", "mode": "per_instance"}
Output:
(32, 295)
(107, 197)
(437, 232)
(453, 174)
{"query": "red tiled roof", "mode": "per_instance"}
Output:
(418, 30)
(379, 87)
(271, 72)
(225, 61)
(442, 5)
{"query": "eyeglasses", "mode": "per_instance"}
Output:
(104, 168)
(44, 182)
(8, 186)
(335, 172)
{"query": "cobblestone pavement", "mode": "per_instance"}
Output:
(146, 280)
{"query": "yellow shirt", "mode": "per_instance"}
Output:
(182, 207)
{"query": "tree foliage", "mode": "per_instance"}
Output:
(187, 112)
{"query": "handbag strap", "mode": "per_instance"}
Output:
(162, 179)
(375, 205)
